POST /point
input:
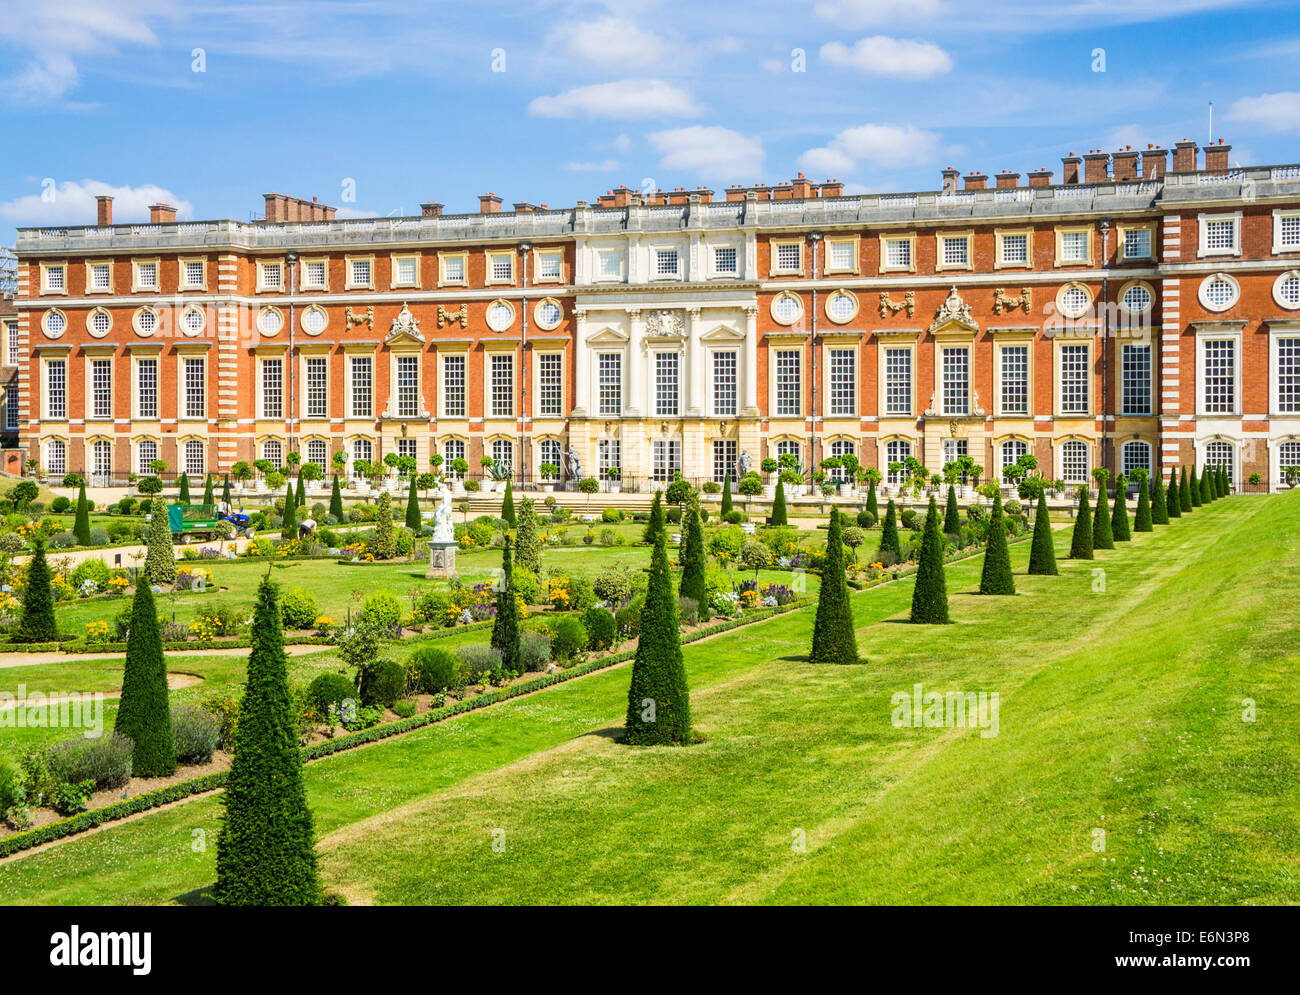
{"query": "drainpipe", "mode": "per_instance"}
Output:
(1105, 342)
(815, 237)
(524, 249)
(291, 257)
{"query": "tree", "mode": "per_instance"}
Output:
(207, 490)
(81, 524)
(1042, 551)
(1185, 501)
(889, 533)
(528, 542)
(385, 542)
(1173, 496)
(225, 491)
(726, 495)
(1142, 518)
(160, 562)
(951, 516)
(1207, 488)
(1194, 488)
(1159, 508)
(289, 527)
(656, 523)
(266, 852)
(778, 504)
(36, 624)
(505, 629)
(413, 509)
(872, 504)
(1081, 542)
(336, 500)
(658, 702)
(508, 505)
(183, 495)
(995, 576)
(144, 712)
(833, 638)
(693, 583)
(930, 596)
(755, 556)
(1225, 485)
(1119, 518)
(1103, 537)
(589, 486)
(300, 494)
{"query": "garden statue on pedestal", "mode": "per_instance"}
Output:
(442, 547)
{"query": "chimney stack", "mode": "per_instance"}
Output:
(832, 188)
(1070, 168)
(976, 181)
(161, 214)
(802, 187)
(1125, 165)
(1155, 161)
(103, 210)
(431, 209)
(489, 203)
(1094, 167)
(950, 180)
(1185, 156)
(1007, 179)
(1216, 156)
(1040, 177)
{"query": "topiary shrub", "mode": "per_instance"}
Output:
(13, 785)
(866, 519)
(382, 682)
(106, 760)
(330, 689)
(60, 505)
(568, 637)
(833, 638)
(194, 734)
(299, 609)
(381, 609)
(435, 669)
(602, 629)
(613, 585)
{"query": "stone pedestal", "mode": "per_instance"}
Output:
(442, 559)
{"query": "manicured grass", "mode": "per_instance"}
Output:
(1121, 710)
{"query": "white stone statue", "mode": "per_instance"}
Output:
(443, 530)
(743, 463)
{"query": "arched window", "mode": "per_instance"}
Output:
(56, 458)
(101, 458)
(548, 451)
(1219, 454)
(273, 452)
(1288, 455)
(503, 451)
(145, 453)
(1074, 462)
(195, 464)
(452, 449)
(318, 452)
(362, 450)
(839, 449)
(1133, 455)
(896, 451)
(1008, 453)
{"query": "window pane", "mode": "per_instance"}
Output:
(1074, 379)
(843, 364)
(503, 385)
(453, 386)
(1135, 361)
(1015, 380)
(610, 373)
(898, 381)
(956, 381)
(362, 386)
(1220, 376)
(550, 371)
(789, 382)
(666, 374)
(724, 383)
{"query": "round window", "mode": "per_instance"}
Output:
(193, 321)
(1287, 290)
(1218, 292)
(314, 320)
(270, 321)
(1137, 298)
(146, 321)
(1074, 300)
(54, 323)
(841, 306)
(500, 316)
(100, 322)
(548, 314)
(786, 309)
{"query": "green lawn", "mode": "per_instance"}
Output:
(1120, 712)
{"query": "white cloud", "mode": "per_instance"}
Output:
(773, 66)
(1274, 111)
(883, 145)
(627, 98)
(73, 202)
(611, 42)
(869, 13)
(603, 166)
(880, 55)
(712, 151)
(622, 143)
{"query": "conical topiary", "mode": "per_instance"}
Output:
(37, 624)
(930, 595)
(413, 509)
(1185, 500)
(871, 505)
(1159, 507)
(183, 495)
(726, 494)
(1081, 542)
(144, 711)
(778, 504)
(266, 853)
(289, 525)
(1119, 516)
(658, 702)
(207, 490)
(1143, 518)
(1226, 487)
(1207, 486)
(336, 500)
(505, 628)
(528, 539)
(1194, 488)
(833, 640)
(81, 524)
(1102, 536)
(225, 490)
(656, 523)
(1042, 553)
(385, 543)
(951, 516)
(1173, 496)
(693, 584)
(160, 561)
(508, 505)
(889, 533)
(300, 494)
(995, 576)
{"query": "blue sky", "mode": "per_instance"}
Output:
(211, 103)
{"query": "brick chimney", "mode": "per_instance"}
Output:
(1070, 168)
(1124, 165)
(1006, 179)
(1040, 177)
(489, 203)
(950, 180)
(975, 181)
(1216, 155)
(1185, 156)
(736, 192)
(103, 210)
(275, 210)
(802, 187)
(783, 191)
(705, 194)
(832, 188)
(1155, 161)
(1094, 167)
(431, 209)
(161, 214)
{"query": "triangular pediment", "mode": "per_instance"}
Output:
(954, 316)
(405, 327)
(608, 336)
(723, 333)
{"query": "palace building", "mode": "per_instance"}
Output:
(1131, 312)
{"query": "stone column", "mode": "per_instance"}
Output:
(749, 400)
(696, 399)
(636, 365)
(581, 365)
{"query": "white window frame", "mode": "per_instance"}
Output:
(539, 257)
(91, 266)
(349, 276)
(1201, 293)
(1203, 337)
(449, 364)
(1203, 248)
(490, 259)
(1276, 335)
(1082, 478)
(715, 270)
(886, 266)
(1027, 382)
(714, 356)
(449, 281)
(491, 385)
(1147, 409)
(941, 241)
(48, 269)
(137, 286)
(1001, 236)
(322, 413)
(787, 403)
(547, 390)
(137, 393)
(305, 267)
(657, 254)
(51, 411)
(353, 394)
(776, 267)
(1279, 215)
(395, 262)
(1087, 380)
(264, 409)
(831, 242)
(183, 274)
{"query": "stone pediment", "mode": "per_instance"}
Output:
(723, 333)
(405, 326)
(954, 316)
(608, 336)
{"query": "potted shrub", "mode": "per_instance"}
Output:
(550, 473)
(793, 481)
(459, 467)
(849, 484)
(612, 475)
(825, 474)
(312, 474)
(769, 466)
(489, 483)
(242, 473)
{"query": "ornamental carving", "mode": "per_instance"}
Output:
(446, 317)
(1001, 302)
(954, 311)
(888, 307)
(366, 318)
(405, 324)
(666, 323)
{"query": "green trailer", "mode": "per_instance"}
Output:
(192, 521)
